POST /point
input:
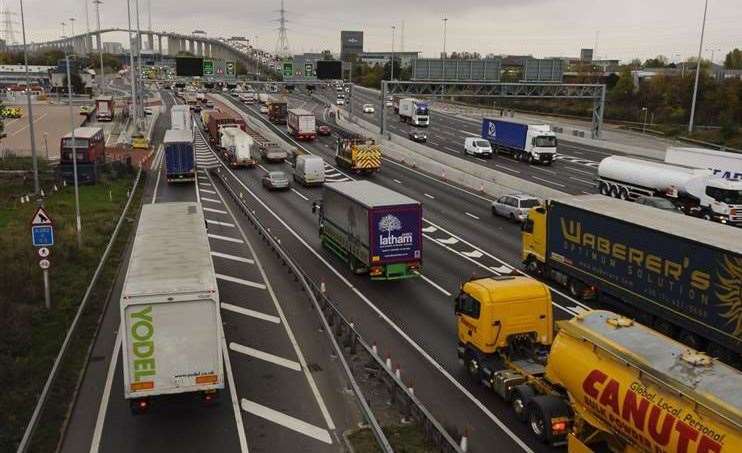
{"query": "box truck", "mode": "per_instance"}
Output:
(238, 147)
(104, 108)
(600, 382)
(180, 117)
(180, 164)
(696, 190)
(218, 120)
(277, 112)
(375, 230)
(414, 111)
(301, 124)
(676, 273)
(171, 329)
(533, 143)
(309, 170)
(725, 164)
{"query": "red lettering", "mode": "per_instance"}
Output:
(634, 408)
(686, 434)
(588, 385)
(662, 437)
(706, 445)
(609, 397)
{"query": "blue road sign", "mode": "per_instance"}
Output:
(43, 235)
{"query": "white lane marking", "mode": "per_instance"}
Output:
(429, 229)
(488, 200)
(548, 181)
(479, 158)
(211, 200)
(397, 181)
(584, 181)
(218, 211)
(225, 238)
(265, 356)
(288, 421)
(450, 241)
(507, 168)
(233, 394)
(504, 269)
(386, 319)
(300, 194)
(103, 407)
(587, 193)
(584, 172)
(158, 167)
(263, 168)
(26, 126)
(208, 191)
(434, 284)
(240, 281)
(469, 133)
(473, 254)
(471, 215)
(454, 150)
(429, 196)
(205, 184)
(232, 257)
(226, 224)
(251, 313)
(290, 333)
(536, 167)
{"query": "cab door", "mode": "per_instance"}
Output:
(468, 312)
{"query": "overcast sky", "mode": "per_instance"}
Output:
(624, 28)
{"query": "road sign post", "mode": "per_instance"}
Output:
(42, 236)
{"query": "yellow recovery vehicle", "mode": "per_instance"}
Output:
(602, 382)
(358, 154)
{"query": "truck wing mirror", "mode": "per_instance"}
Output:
(314, 207)
(527, 226)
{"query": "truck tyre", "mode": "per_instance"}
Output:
(576, 288)
(531, 160)
(472, 367)
(614, 191)
(623, 194)
(542, 410)
(521, 397)
(604, 188)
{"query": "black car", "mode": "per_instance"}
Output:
(419, 137)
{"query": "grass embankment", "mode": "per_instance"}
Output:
(30, 336)
(404, 439)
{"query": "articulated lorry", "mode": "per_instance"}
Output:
(301, 124)
(104, 108)
(532, 143)
(277, 112)
(414, 111)
(697, 191)
(724, 164)
(358, 154)
(375, 230)
(679, 274)
(600, 381)
(171, 333)
(219, 120)
(180, 164)
(180, 117)
(238, 147)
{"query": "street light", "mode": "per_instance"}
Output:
(30, 111)
(698, 70)
(132, 69)
(644, 126)
(74, 151)
(64, 35)
(87, 28)
(72, 26)
(445, 55)
(101, 84)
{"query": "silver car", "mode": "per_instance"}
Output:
(276, 180)
(514, 206)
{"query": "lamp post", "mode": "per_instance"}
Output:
(101, 84)
(72, 26)
(140, 87)
(132, 70)
(87, 27)
(394, 29)
(698, 70)
(644, 125)
(444, 56)
(30, 110)
(78, 221)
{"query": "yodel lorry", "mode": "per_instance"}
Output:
(598, 382)
(679, 274)
(697, 191)
(375, 230)
(414, 111)
(532, 143)
(238, 147)
(358, 154)
(180, 164)
(171, 333)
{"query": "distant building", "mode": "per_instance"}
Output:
(306, 61)
(15, 74)
(717, 72)
(586, 55)
(351, 43)
(113, 47)
(382, 58)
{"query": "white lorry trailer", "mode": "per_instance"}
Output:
(239, 148)
(414, 111)
(301, 124)
(171, 327)
(725, 164)
(180, 117)
(697, 191)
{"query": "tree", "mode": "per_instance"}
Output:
(660, 61)
(77, 84)
(733, 60)
(389, 223)
(624, 87)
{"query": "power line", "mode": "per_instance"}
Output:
(282, 43)
(8, 30)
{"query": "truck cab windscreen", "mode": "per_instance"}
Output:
(545, 141)
(727, 196)
(421, 110)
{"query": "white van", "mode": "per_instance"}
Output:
(309, 170)
(477, 147)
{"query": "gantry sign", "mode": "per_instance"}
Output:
(535, 90)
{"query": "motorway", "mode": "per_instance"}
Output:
(283, 383)
(412, 320)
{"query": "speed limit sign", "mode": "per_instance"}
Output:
(44, 264)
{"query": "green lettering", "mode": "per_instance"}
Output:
(143, 349)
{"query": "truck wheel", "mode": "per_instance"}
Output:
(542, 410)
(531, 160)
(623, 194)
(521, 397)
(533, 266)
(614, 191)
(605, 189)
(576, 288)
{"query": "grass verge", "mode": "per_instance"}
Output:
(403, 438)
(30, 336)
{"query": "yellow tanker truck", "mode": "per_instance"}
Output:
(598, 382)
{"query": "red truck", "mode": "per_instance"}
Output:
(218, 120)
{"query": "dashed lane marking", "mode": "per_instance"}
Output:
(233, 257)
(547, 181)
(265, 356)
(226, 224)
(471, 215)
(288, 421)
(251, 313)
(584, 181)
(225, 238)
(429, 196)
(211, 200)
(397, 181)
(240, 281)
(218, 211)
(208, 191)
(300, 194)
(507, 168)
(469, 133)
(434, 285)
